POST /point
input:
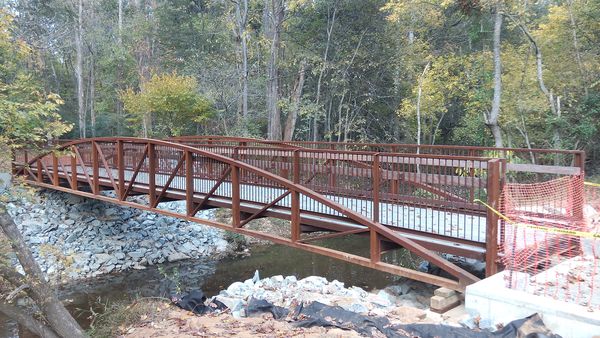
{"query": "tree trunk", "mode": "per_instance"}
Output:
(54, 311)
(79, 70)
(330, 23)
(92, 94)
(419, 92)
(241, 10)
(494, 114)
(290, 124)
(554, 105)
(576, 47)
(118, 103)
(26, 320)
(272, 97)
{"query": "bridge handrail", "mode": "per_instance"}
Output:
(384, 146)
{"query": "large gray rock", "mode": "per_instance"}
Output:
(177, 256)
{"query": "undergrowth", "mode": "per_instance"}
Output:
(115, 318)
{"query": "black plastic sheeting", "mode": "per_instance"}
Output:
(259, 306)
(195, 302)
(319, 314)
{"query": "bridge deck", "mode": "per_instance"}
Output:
(396, 216)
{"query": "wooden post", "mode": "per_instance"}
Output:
(493, 199)
(121, 169)
(189, 183)
(55, 169)
(95, 169)
(151, 173)
(295, 236)
(235, 196)
(376, 176)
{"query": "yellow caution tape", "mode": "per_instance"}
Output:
(592, 184)
(539, 227)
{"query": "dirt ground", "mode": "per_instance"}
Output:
(165, 320)
(180, 323)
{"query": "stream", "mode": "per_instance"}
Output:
(211, 276)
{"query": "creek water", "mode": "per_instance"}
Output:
(211, 276)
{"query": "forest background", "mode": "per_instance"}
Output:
(512, 73)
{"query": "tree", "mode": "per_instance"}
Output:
(274, 16)
(492, 116)
(28, 116)
(172, 101)
(81, 113)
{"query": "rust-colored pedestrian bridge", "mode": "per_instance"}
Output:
(424, 199)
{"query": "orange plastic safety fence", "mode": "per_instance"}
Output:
(551, 247)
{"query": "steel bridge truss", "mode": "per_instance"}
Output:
(423, 203)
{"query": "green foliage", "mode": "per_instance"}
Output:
(362, 67)
(172, 102)
(28, 115)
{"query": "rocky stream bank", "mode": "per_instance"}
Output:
(73, 237)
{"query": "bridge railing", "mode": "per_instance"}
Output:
(523, 164)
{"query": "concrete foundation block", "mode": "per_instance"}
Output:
(444, 292)
(496, 304)
(441, 304)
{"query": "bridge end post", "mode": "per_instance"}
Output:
(492, 219)
(579, 161)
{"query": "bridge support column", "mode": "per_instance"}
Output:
(95, 169)
(189, 183)
(235, 197)
(55, 178)
(151, 173)
(375, 246)
(74, 170)
(121, 169)
(295, 235)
